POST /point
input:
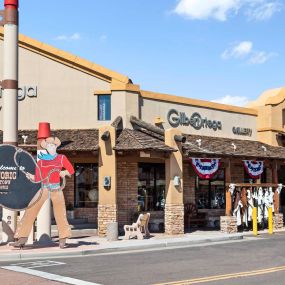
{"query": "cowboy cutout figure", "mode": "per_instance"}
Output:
(49, 171)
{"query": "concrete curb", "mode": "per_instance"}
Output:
(155, 244)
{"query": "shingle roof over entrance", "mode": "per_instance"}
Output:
(141, 140)
(72, 140)
(225, 147)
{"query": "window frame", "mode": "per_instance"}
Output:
(98, 107)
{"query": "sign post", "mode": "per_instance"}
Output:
(10, 97)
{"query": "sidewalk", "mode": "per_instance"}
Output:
(80, 246)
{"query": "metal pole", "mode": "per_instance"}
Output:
(44, 216)
(10, 97)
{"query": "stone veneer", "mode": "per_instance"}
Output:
(106, 214)
(278, 222)
(174, 219)
(228, 224)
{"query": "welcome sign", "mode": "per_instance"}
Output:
(16, 191)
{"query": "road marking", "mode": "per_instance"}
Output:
(225, 276)
(48, 276)
(39, 263)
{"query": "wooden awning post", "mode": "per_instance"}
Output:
(275, 181)
(228, 194)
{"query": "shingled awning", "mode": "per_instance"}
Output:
(138, 140)
(216, 146)
(71, 140)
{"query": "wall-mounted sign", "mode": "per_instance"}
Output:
(25, 91)
(242, 131)
(196, 121)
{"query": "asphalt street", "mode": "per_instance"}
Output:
(258, 260)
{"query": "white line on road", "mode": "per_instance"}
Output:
(48, 276)
(37, 264)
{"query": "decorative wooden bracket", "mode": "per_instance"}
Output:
(2, 17)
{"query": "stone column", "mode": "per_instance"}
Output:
(107, 207)
(228, 179)
(174, 207)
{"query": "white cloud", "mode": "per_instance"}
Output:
(265, 11)
(204, 9)
(260, 57)
(73, 37)
(244, 50)
(232, 100)
(221, 9)
(238, 50)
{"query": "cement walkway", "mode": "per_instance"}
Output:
(95, 245)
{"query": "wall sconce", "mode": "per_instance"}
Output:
(176, 181)
(107, 181)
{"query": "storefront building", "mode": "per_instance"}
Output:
(132, 149)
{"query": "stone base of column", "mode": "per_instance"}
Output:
(174, 219)
(106, 214)
(228, 224)
(278, 221)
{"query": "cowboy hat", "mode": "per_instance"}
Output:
(52, 140)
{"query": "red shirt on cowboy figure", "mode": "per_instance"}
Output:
(48, 162)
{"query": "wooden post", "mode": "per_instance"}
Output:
(228, 194)
(275, 181)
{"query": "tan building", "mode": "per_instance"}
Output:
(131, 148)
(271, 116)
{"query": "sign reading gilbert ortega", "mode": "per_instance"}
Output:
(176, 118)
(16, 191)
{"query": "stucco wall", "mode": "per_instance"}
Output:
(153, 108)
(65, 95)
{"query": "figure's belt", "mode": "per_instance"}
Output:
(51, 185)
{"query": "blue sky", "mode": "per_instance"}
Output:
(224, 50)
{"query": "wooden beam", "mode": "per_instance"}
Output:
(275, 180)
(254, 184)
(228, 194)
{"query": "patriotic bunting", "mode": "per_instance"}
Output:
(253, 168)
(206, 168)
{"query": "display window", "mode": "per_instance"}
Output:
(210, 193)
(151, 187)
(86, 185)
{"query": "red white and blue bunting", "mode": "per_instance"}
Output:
(253, 168)
(206, 168)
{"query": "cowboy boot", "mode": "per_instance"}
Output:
(62, 242)
(20, 243)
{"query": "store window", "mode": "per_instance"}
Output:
(151, 187)
(86, 185)
(210, 193)
(104, 107)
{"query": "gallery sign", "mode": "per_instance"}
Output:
(196, 121)
(24, 92)
(242, 131)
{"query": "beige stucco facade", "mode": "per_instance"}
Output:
(158, 108)
(271, 116)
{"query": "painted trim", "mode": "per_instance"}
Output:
(68, 59)
(195, 102)
(102, 92)
(277, 99)
(270, 130)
